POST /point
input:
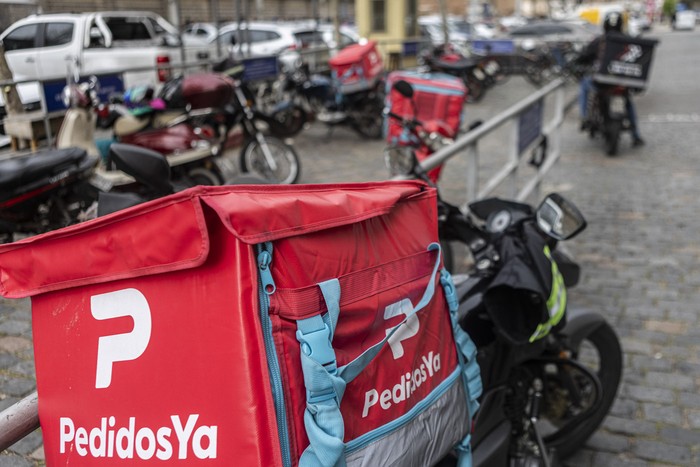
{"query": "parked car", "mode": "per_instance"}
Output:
(289, 41)
(431, 28)
(45, 46)
(684, 20)
(556, 31)
(198, 33)
(348, 36)
(475, 30)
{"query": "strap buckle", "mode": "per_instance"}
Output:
(317, 345)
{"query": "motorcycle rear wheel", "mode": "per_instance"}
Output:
(288, 168)
(601, 349)
(612, 136)
(288, 122)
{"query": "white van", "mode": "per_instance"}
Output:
(684, 20)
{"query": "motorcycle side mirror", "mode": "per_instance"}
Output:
(559, 218)
(148, 167)
(404, 88)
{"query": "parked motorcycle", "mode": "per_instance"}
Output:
(198, 121)
(55, 188)
(262, 155)
(353, 96)
(550, 372)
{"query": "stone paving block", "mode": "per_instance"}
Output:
(625, 408)
(7, 360)
(15, 386)
(630, 345)
(609, 442)
(605, 459)
(663, 452)
(13, 460)
(649, 394)
(15, 327)
(14, 344)
(670, 380)
(30, 443)
(689, 399)
(668, 414)
(681, 436)
(626, 426)
(694, 418)
(666, 327)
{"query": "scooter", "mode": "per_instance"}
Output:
(54, 188)
(183, 136)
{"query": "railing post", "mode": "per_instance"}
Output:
(472, 172)
(514, 155)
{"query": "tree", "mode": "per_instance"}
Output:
(668, 8)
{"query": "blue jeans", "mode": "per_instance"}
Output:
(585, 87)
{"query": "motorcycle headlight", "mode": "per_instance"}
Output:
(399, 160)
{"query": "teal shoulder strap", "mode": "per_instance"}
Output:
(324, 388)
(466, 352)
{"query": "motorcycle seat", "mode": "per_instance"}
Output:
(18, 171)
(456, 65)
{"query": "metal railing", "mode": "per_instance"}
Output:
(22, 418)
(547, 144)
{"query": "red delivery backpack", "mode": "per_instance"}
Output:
(438, 98)
(358, 67)
(269, 325)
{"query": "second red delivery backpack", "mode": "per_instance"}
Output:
(305, 325)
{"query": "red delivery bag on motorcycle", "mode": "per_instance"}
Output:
(438, 100)
(250, 325)
(357, 67)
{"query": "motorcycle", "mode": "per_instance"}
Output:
(298, 97)
(198, 130)
(54, 188)
(608, 114)
(264, 156)
(550, 372)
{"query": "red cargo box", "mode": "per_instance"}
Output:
(201, 328)
(437, 97)
(199, 91)
(357, 67)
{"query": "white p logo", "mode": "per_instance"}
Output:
(120, 347)
(407, 329)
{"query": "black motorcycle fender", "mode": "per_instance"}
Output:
(579, 324)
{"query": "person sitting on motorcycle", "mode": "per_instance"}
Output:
(612, 26)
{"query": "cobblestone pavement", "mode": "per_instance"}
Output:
(639, 257)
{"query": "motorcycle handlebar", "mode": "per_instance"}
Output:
(412, 123)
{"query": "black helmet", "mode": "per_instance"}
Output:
(613, 22)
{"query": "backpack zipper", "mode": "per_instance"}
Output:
(266, 287)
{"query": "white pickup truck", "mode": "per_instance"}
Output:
(50, 45)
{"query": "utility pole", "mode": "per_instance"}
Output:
(336, 22)
(443, 15)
